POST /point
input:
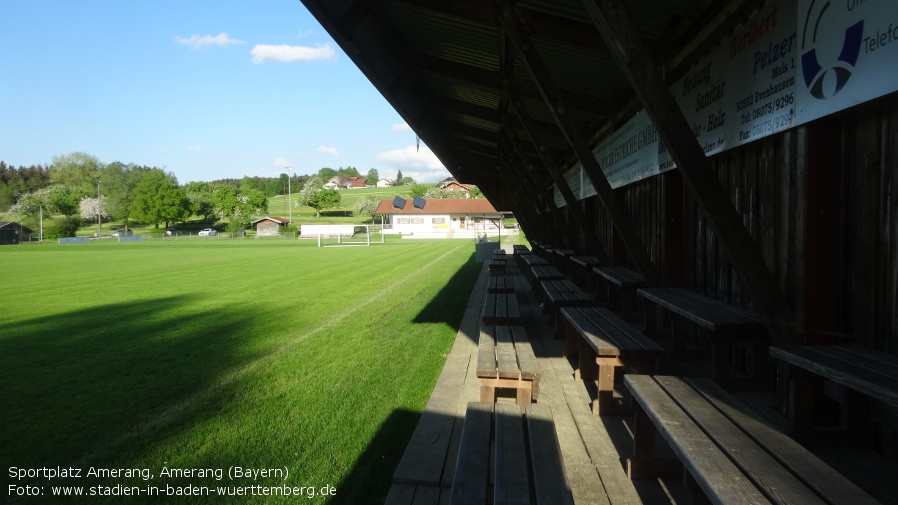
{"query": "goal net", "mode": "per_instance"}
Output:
(341, 235)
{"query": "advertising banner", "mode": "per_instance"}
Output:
(791, 62)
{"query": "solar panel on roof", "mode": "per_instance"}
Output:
(399, 202)
(419, 202)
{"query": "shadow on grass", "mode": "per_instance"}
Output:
(448, 306)
(371, 476)
(74, 382)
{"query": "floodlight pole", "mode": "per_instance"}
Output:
(98, 209)
(290, 194)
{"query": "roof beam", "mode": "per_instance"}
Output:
(545, 25)
(552, 165)
(618, 28)
(518, 36)
(587, 104)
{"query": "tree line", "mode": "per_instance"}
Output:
(78, 188)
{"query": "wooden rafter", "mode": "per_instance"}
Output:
(616, 25)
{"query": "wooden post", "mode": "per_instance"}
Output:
(623, 39)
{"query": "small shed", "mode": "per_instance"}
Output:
(13, 233)
(269, 226)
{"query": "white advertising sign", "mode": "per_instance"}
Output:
(791, 62)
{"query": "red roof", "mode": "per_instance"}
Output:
(441, 206)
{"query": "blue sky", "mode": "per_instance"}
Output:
(204, 89)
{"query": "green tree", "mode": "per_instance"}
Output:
(315, 196)
(65, 200)
(119, 183)
(418, 190)
(373, 176)
(201, 196)
(276, 186)
(79, 171)
(326, 173)
(158, 199)
(238, 205)
(7, 197)
(398, 181)
(367, 206)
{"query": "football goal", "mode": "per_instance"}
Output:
(342, 235)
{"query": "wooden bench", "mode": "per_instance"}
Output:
(562, 293)
(603, 342)
(500, 284)
(582, 271)
(518, 453)
(872, 374)
(529, 261)
(729, 455)
(560, 257)
(727, 326)
(506, 360)
(620, 285)
(496, 267)
(519, 249)
(540, 273)
(501, 309)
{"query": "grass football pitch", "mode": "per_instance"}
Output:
(170, 365)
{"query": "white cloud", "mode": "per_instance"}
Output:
(263, 52)
(281, 162)
(400, 127)
(328, 150)
(419, 164)
(198, 41)
(162, 150)
(195, 149)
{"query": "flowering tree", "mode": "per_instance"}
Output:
(314, 195)
(367, 206)
(92, 208)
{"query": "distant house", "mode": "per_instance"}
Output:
(334, 183)
(13, 233)
(269, 226)
(441, 215)
(339, 182)
(450, 184)
(384, 183)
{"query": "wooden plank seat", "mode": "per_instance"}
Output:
(729, 329)
(519, 249)
(500, 284)
(728, 454)
(861, 370)
(506, 360)
(496, 267)
(501, 309)
(603, 343)
(557, 294)
(617, 286)
(520, 453)
(560, 257)
(582, 271)
(541, 273)
(531, 260)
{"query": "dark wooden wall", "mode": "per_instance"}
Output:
(819, 200)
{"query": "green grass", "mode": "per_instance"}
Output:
(224, 353)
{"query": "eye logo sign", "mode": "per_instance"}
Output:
(818, 79)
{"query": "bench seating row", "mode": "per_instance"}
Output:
(520, 452)
(730, 457)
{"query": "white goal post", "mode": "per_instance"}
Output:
(339, 235)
